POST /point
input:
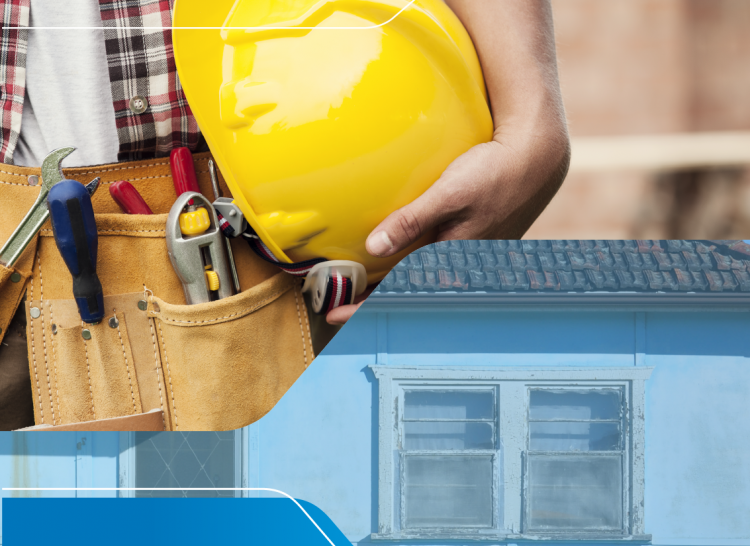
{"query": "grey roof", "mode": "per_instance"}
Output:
(573, 266)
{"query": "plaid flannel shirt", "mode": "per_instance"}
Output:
(141, 63)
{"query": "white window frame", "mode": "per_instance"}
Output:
(622, 454)
(493, 453)
(127, 466)
(512, 401)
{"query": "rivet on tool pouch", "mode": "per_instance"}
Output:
(193, 256)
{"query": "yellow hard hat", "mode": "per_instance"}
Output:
(325, 116)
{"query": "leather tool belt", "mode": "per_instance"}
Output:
(211, 366)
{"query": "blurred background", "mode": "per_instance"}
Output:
(657, 94)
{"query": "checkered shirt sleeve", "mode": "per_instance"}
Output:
(12, 72)
(141, 63)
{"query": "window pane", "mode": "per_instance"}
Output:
(599, 404)
(448, 491)
(572, 493)
(177, 459)
(447, 435)
(448, 405)
(567, 436)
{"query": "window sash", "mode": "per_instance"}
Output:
(623, 484)
(412, 420)
(401, 411)
(622, 421)
(621, 453)
(575, 420)
(473, 452)
(494, 485)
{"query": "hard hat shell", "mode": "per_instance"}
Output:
(325, 116)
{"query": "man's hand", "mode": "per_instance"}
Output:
(341, 314)
(494, 191)
(497, 189)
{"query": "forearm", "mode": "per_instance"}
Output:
(515, 43)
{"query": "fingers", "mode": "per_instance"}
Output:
(408, 224)
(341, 314)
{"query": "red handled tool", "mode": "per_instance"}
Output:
(183, 171)
(194, 239)
(128, 198)
(193, 220)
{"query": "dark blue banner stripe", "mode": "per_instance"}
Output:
(157, 522)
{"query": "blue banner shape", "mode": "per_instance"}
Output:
(184, 521)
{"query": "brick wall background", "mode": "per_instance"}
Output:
(631, 67)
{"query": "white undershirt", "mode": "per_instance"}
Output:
(68, 98)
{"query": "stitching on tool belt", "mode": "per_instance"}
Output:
(14, 174)
(88, 372)
(54, 361)
(33, 351)
(150, 177)
(158, 371)
(48, 232)
(301, 330)
(171, 388)
(130, 167)
(44, 340)
(46, 361)
(127, 367)
(113, 169)
(247, 310)
(309, 334)
(141, 178)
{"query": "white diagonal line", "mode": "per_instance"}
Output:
(218, 28)
(175, 489)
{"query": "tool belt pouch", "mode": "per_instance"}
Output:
(12, 287)
(212, 366)
(15, 201)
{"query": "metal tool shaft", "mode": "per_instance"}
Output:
(190, 255)
(230, 255)
(38, 214)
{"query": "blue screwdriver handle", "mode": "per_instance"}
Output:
(75, 233)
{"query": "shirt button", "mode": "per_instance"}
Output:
(138, 104)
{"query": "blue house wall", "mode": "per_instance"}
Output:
(320, 443)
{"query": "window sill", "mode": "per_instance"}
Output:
(475, 536)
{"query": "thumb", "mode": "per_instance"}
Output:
(405, 226)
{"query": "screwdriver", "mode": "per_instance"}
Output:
(74, 228)
(128, 198)
(183, 171)
(194, 220)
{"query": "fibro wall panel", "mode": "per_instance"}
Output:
(720, 334)
(697, 446)
(356, 337)
(513, 333)
(319, 443)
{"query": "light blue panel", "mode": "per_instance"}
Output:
(36, 459)
(698, 334)
(504, 332)
(103, 466)
(510, 360)
(698, 449)
(320, 442)
(358, 336)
